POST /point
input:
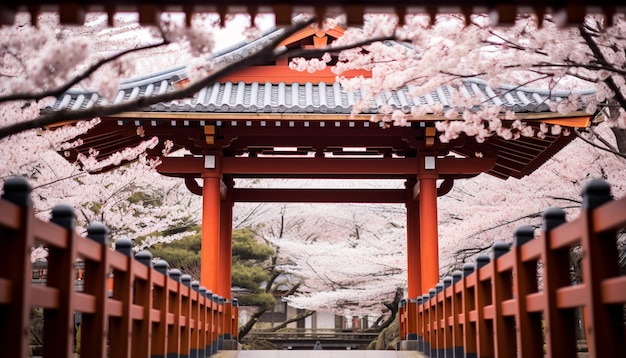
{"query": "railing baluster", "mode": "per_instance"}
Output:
(59, 321)
(457, 309)
(173, 335)
(604, 323)
(162, 302)
(559, 323)
(121, 327)
(142, 329)
(482, 292)
(504, 327)
(185, 315)
(94, 326)
(15, 267)
(470, 339)
(529, 337)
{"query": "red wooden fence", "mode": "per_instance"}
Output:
(522, 302)
(128, 306)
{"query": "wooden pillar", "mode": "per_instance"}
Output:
(209, 265)
(429, 246)
(226, 242)
(414, 278)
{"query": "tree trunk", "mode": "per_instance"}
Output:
(393, 309)
(245, 329)
(295, 318)
(620, 138)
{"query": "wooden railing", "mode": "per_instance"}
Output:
(522, 302)
(129, 307)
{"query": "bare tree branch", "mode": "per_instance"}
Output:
(266, 54)
(60, 90)
(595, 145)
(295, 318)
(586, 34)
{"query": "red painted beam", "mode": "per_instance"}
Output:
(249, 166)
(313, 166)
(388, 196)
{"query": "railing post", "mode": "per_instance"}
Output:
(185, 311)
(402, 319)
(420, 323)
(15, 266)
(603, 322)
(470, 339)
(411, 319)
(215, 319)
(142, 330)
(211, 339)
(559, 324)
(95, 326)
(457, 310)
(120, 341)
(501, 291)
(194, 316)
(430, 341)
(228, 318)
(439, 319)
(220, 326)
(161, 298)
(235, 324)
(173, 336)
(483, 295)
(59, 322)
(447, 322)
(203, 324)
(529, 337)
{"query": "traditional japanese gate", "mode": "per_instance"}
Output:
(268, 121)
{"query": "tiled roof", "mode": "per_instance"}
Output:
(256, 97)
(271, 102)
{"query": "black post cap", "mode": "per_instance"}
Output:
(124, 246)
(17, 190)
(145, 257)
(98, 232)
(523, 234)
(64, 216)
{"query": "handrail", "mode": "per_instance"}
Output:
(128, 305)
(522, 301)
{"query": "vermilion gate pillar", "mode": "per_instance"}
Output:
(224, 272)
(414, 279)
(211, 197)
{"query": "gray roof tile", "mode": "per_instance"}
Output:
(266, 97)
(306, 97)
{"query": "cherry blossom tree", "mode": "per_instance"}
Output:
(532, 52)
(352, 262)
(38, 62)
(484, 209)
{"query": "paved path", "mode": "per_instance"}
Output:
(318, 354)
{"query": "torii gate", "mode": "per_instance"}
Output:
(269, 121)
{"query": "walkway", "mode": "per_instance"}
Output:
(318, 354)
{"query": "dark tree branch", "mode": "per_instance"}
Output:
(393, 309)
(65, 87)
(266, 54)
(245, 329)
(295, 318)
(586, 34)
(609, 150)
